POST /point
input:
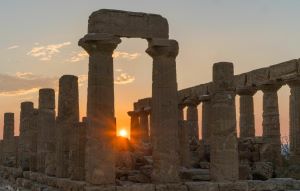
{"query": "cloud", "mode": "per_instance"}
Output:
(24, 83)
(126, 55)
(124, 78)
(82, 80)
(13, 47)
(79, 56)
(45, 53)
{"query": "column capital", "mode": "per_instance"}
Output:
(162, 47)
(95, 42)
(272, 87)
(192, 102)
(132, 113)
(246, 91)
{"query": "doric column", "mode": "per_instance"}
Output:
(271, 125)
(164, 110)
(101, 128)
(144, 125)
(34, 140)
(135, 133)
(181, 106)
(206, 105)
(9, 126)
(192, 119)
(25, 137)
(224, 162)
(67, 116)
(294, 137)
(247, 120)
(46, 132)
(77, 151)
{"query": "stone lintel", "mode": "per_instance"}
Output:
(128, 24)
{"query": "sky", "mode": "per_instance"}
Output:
(38, 44)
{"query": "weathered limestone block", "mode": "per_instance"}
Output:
(258, 77)
(101, 127)
(284, 71)
(224, 163)
(171, 187)
(68, 115)
(128, 24)
(205, 186)
(233, 186)
(199, 90)
(164, 121)
(240, 80)
(77, 151)
(46, 132)
(100, 188)
(25, 138)
(137, 187)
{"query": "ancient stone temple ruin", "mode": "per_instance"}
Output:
(164, 153)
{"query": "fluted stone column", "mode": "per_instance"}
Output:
(67, 116)
(34, 140)
(181, 106)
(25, 136)
(294, 137)
(271, 125)
(192, 118)
(77, 151)
(46, 132)
(101, 129)
(9, 141)
(206, 105)
(164, 132)
(144, 125)
(247, 120)
(135, 132)
(224, 162)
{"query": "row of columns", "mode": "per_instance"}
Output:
(48, 144)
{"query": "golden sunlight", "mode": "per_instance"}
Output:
(123, 133)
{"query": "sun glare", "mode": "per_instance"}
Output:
(123, 133)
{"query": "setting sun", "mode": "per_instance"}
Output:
(123, 133)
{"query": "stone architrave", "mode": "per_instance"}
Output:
(247, 120)
(135, 133)
(67, 116)
(164, 132)
(101, 128)
(46, 132)
(25, 137)
(271, 125)
(224, 162)
(294, 137)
